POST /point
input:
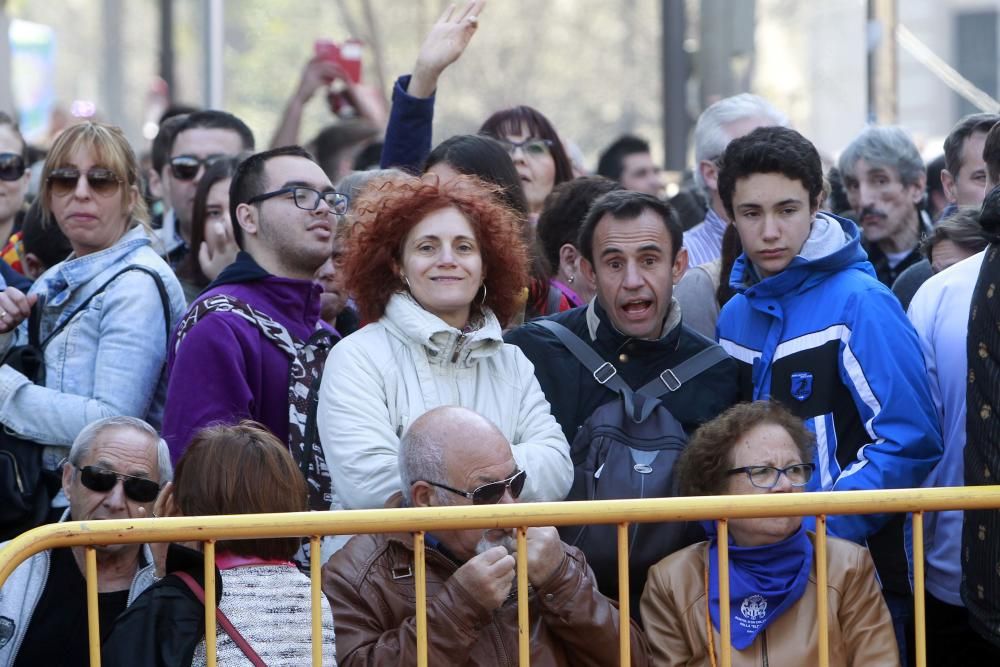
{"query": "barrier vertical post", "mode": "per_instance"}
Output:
(210, 645)
(624, 604)
(420, 565)
(822, 605)
(93, 613)
(316, 590)
(523, 632)
(726, 649)
(919, 612)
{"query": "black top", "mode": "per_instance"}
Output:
(57, 633)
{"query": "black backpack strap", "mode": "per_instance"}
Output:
(672, 379)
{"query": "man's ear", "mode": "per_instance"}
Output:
(32, 266)
(709, 174)
(568, 255)
(155, 184)
(587, 269)
(246, 218)
(948, 185)
(67, 478)
(680, 266)
(422, 494)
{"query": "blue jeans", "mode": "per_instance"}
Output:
(901, 609)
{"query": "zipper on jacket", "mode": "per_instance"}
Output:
(763, 647)
(458, 348)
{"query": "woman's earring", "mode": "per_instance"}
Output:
(482, 302)
(406, 281)
(571, 279)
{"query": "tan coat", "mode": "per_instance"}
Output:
(674, 607)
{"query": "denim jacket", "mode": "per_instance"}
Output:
(109, 360)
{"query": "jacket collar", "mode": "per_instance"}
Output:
(408, 320)
(292, 299)
(69, 275)
(244, 269)
(601, 329)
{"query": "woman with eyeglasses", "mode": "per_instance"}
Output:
(14, 176)
(438, 267)
(264, 599)
(755, 448)
(104, 314)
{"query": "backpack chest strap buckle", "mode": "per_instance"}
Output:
(670, 379)
(605, 372)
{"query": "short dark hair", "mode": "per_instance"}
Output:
(965, 128)
(249, 180)
(534, 123)
(612, 160)
(991, 154)
(159, 153)
(564, 211)
(241, 469)
(486, 158)
(212, 119)
(771, 150)
(627, 205)
(330, 144)
(934, 168)
(961, 228)
(702, 466)
(42, 237)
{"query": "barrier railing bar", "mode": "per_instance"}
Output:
(919, 612)
(523, 632)
(210, 646)
(93, 615)
(420, 565)
(316, 590)
(822, 606)
(624, 603)
(726, 650)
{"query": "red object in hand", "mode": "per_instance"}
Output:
(346, 55)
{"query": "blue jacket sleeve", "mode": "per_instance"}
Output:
(881, 364)
(408, 135)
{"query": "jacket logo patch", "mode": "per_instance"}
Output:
(6, 630)
(802, 386)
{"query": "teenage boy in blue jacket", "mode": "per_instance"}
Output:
(812, 327)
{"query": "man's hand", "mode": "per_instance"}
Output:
(488, 576)
(15, 307)
(545, 554)
(443, 45)
(162, 507)
(218, 250)
(316, 74)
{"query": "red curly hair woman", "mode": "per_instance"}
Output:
(438, 267)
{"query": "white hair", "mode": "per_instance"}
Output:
(710, 134)
(420, 458)
(85, 439)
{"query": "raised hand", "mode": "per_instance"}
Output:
(15, 307)
(317, 74)
(218, 250)
(443, 45)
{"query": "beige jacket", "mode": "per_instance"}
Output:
(674, 607)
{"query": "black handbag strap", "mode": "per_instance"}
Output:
(34, 321)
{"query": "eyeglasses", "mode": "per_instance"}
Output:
(139, 489)
(530, 147)
(492, 493)
(308, 199)
(102, 181)
(186, 167)
(766, 477)
(11, 166)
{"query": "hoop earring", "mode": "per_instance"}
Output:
(406, 281)
(482, 302)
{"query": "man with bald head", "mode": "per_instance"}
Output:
(453, 456)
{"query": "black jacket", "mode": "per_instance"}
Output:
(574, 394)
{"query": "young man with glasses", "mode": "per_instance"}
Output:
(233, 356)
(192, 142)
(115, 469)
(454, 456)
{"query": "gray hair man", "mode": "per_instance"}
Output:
(717, 125)
(115, 469)
(451, 456)
(884, 177)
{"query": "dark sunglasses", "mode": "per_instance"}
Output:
(11, 166)
(186, 167)
(492, 493)
(102, 181)
(139, 489)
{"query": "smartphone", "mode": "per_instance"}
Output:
(347, 55)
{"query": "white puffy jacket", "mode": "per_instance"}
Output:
(380, 379)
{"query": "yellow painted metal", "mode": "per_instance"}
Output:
(523, 631)
(317, 602)
(93, 616)
(420, 565)
(624, 615)
(209, 551)
(724, 630)
(919, 616)
(822, 606)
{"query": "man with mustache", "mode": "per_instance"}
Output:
(453, 456)
(885, 178)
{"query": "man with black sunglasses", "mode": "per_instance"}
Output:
(115, 469)
(454, 456)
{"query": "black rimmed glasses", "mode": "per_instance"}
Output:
(102, 181)
(308, 199)
(531, 147)
(492, 493)
(766, 477)
(139, 489)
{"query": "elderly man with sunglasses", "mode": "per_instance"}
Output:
(453, 456)
(115, 469)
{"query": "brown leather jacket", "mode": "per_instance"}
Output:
(371, 588)
(674, 614)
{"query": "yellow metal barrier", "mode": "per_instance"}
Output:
(421, 520)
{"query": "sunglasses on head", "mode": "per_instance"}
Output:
(11, 166)
(186, 167)
(492, 493)
(102, 181)
(139, 489)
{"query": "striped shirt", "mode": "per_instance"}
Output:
(704, 241)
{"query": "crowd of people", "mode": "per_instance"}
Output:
(373, 321)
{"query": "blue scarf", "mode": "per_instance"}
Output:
(763, 582)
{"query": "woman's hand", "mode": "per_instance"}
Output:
(162, 507)
(443, 45)
(218, 250)
(15, 307)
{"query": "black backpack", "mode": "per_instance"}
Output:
(26, 488)
(627, 448)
